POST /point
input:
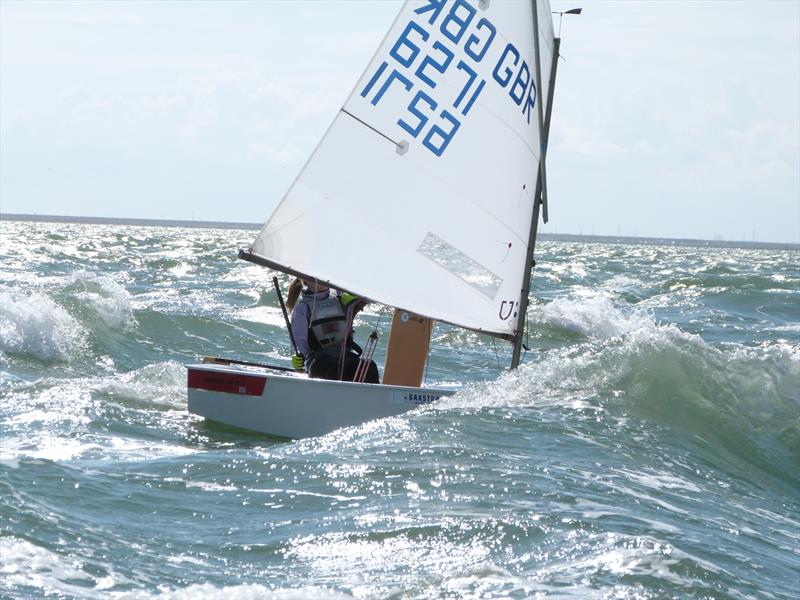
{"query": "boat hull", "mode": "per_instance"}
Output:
(294, 406)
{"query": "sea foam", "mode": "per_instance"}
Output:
(36, 325)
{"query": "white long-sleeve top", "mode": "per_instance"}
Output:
(301, 315)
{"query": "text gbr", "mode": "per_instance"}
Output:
(458, 37)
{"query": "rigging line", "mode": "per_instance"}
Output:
(526, 331)
(526, 345)
(497, 357)
(348, 330)
(368, 126)
(380, 318)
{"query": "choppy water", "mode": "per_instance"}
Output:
(648, 448)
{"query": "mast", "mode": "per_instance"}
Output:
(538, 201)
(542, 139)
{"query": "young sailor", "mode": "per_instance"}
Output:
(324, 341)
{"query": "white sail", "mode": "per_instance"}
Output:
(420, 194)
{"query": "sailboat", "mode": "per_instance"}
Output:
(424, 195)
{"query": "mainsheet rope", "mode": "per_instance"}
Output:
(369, 347)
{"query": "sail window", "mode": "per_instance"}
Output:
(459, 264)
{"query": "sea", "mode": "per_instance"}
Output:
(648, 446)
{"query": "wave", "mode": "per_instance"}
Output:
(60, 325)
(35, 325)
(99, 297)
(157, 385)
(253, 591)
(66, 419)
(592, 314)
(742, 402)
(31, 569)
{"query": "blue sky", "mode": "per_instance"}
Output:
(675, 119)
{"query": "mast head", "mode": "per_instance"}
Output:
(571, 11)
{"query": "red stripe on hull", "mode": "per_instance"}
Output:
(232, 383)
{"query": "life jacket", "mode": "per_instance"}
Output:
(326, 322)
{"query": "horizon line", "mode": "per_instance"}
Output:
(593, 238)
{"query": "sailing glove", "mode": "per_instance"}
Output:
(346, 298)
(298, 362)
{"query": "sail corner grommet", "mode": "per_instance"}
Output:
(402, 147)
(484, 4)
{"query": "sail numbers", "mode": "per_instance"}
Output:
(451, 41)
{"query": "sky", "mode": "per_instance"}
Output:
(671, 119)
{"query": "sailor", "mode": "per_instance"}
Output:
(319, 325)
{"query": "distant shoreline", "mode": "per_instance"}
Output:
(552, 237)
(121, 221)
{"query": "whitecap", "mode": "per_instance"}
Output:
(160, 384)
(109, 300)
(253, 591)
(28, 565)
(34, 324)
(593, 314)
(659, 481)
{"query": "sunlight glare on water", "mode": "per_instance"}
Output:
(648, 447)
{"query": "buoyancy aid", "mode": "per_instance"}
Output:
(326, 322)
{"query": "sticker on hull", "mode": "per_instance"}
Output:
(230, 383)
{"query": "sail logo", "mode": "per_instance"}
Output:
(417, 398)
(508, 309)
(448, 41)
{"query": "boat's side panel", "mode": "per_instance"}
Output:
(296, 407)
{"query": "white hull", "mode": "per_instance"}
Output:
(295, 406)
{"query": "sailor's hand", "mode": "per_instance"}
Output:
(298, 362)
(347, 298)
(352, 302)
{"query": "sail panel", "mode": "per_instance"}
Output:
(420, 194)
